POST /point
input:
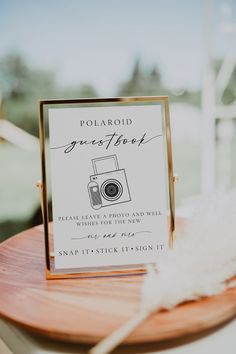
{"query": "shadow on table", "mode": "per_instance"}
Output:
(128, 349)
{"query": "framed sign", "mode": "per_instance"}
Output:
(107, 166)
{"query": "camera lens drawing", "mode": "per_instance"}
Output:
(108, 185)
(111, 189)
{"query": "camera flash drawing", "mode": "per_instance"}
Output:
(108, 185)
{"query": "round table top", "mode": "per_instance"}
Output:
(86, 310)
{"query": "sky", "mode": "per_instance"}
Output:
(97, 41)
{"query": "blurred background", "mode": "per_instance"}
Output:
(73, 49)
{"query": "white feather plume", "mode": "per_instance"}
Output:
(203, 257)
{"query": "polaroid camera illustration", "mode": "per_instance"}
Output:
(108, 185)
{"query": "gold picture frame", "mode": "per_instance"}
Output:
(51, 273)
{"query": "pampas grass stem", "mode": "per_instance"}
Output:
(118, 336)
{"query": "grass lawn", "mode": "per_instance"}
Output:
(187, 164)
(19, 171)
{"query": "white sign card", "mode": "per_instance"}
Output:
(109, 181)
